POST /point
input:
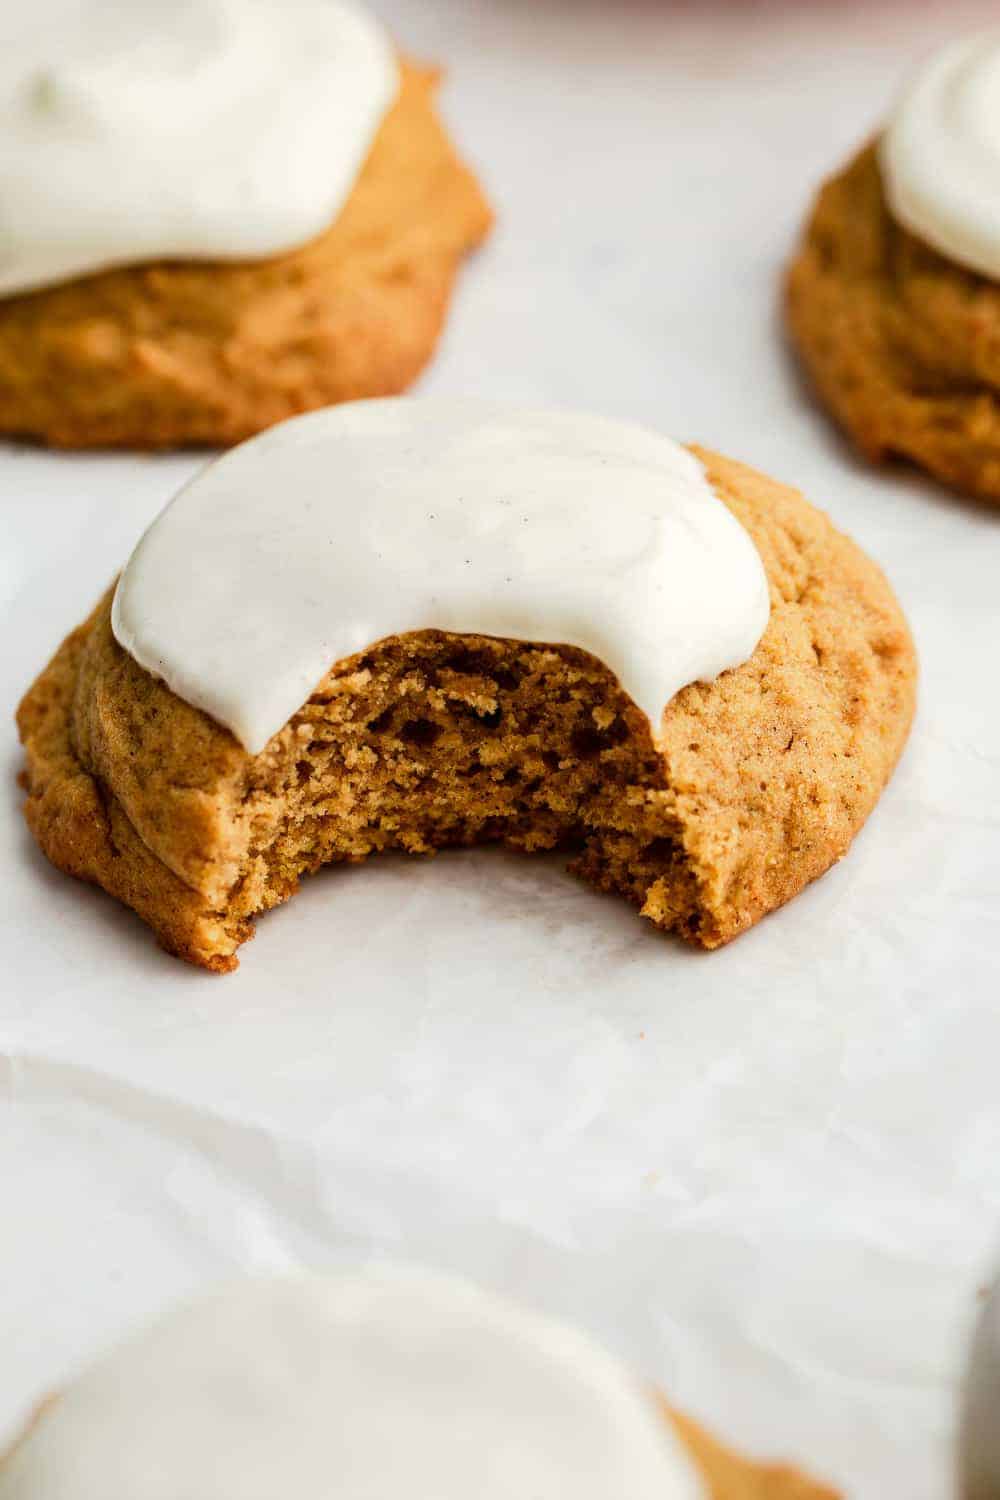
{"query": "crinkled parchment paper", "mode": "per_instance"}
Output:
(769, 1177)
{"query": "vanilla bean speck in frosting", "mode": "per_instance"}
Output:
(335, 530)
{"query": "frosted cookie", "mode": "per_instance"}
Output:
(409, 625)
(893, 298)
(259, 215)
(374, 1382)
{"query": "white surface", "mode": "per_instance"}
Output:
(940, 153)
(392, 1380)
(156, 128)
(358, 522)
(769, 1176)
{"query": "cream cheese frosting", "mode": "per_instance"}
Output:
(188, 129)
(374, 1384)
(334, 530)
(940, 153)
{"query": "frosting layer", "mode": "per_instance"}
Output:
(940, 153)
(339, 528)
(372, 1385)
(184, 129)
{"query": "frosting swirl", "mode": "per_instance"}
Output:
(940, 153)
(979, 1431)
(180, 129)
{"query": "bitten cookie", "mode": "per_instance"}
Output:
(893, 297)
(752, 785)
(186, 352)
(382, 1380)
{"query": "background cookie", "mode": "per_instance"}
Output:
(188, 353)
(902, 344)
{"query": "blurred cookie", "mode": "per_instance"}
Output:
(378, 1381)
(893, 297)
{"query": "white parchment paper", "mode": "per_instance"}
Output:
(769, 1177)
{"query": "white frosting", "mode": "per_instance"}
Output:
(336, 529)
(134, 130)
(940, 153)
(979, 1451)
(385, 1384)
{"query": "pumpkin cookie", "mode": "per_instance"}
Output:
(380, 1380)
(749, 786)
(188, 352)
(889, 299)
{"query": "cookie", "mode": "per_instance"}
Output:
(901, 343)
(299, 1378)
(757, 782)
(187, 353)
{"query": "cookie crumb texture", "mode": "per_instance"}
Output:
(187, 353)
(903, 345)
(430, 740)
